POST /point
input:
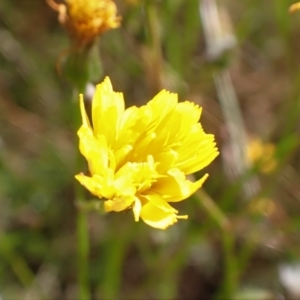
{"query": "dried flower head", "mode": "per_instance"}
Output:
(139, 157)
(86, 19)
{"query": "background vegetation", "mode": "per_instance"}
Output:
(242, 238)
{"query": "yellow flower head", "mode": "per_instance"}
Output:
(86, 19)
(139, 157)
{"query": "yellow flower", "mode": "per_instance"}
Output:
(86, 19)
(139, 157)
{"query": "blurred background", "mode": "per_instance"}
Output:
(240, 61)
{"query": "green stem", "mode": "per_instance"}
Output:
(83, 253)
(82, 234)
(213, 210)
(230, 277)
(228, 241)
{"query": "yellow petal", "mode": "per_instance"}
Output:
(197, 152)
(101, 187)
(107, 110)
(166, 160)
(157, 200)
(92, 184)
(139, 175)
(84, 117)
(161, 106)
(176, 187)
(200, 161)
(158, 218)
(94, 150)
(119, 203)
(190, 112)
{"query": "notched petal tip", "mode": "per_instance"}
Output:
(78, 176)
(183, 217)
(158, 218)
(106, 84)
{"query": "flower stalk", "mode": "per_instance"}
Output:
(83, 253)
(83, 245)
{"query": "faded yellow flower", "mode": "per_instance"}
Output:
(294, 7)
(86, 19)
(262, 206)
(262, 154)
(139, 157)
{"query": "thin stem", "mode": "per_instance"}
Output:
(213, 210)
(82, 234)
(230, 280)
(83, 253)
(228, 241)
